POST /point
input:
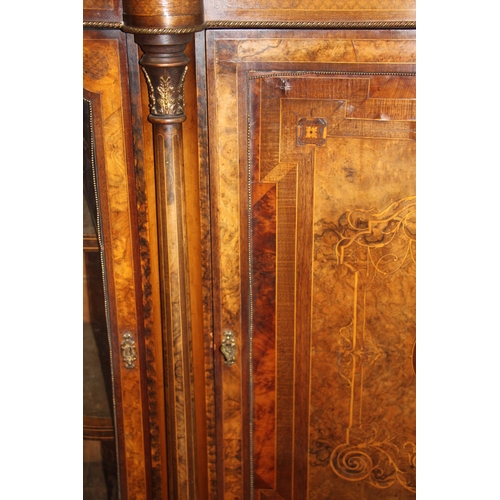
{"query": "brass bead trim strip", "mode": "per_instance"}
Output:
(103, 25)
(255, 24)
(336, 73)
(312, 24)
(250, 301)
(162, 31)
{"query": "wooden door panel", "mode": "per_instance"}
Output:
(108, 90)
(320, 162)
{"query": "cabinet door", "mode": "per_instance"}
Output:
(312, 140)
(118, 335)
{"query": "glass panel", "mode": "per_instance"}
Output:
(100, 474)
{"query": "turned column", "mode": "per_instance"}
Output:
(162, 29)
(165, 64)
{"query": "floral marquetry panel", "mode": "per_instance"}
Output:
(320, 160)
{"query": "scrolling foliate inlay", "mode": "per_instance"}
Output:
(371, 247)
(349, 353)
(378, 459)
(389, 236)
(167, 96)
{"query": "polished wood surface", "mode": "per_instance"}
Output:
(160, 16)
(307, 11)
(202, 342)
(153, 380)
(164, 65)
(108, 11)
(153, 279)
(105, 86)
(312, 137)
(267, 196)
(162, 13)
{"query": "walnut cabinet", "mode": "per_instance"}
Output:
(254, 168)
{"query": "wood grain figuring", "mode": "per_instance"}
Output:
(285, 267)
(288, 111)
(202, 335)
(175, 315)
(162, 13)
(349, 51)
(98, 4)
(316, 4)
(102, 10)
(206, 264)
(107, 55)
(165, 65)
(264, 335)
(269, 495)
(144, 178)
(314, 10)
(333, 177)
(155, 349)
(225, 178)
(372, 322)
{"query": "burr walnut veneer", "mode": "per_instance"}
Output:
(315, 269)
(257, 189)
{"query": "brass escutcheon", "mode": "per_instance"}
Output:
(129, 352)
(228, 347)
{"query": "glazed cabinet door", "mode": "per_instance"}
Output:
(116, 459)
(312, 159)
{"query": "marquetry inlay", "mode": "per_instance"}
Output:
(317, 268)
(311, 131)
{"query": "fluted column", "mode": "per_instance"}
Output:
(165, 64)
(162, 29)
